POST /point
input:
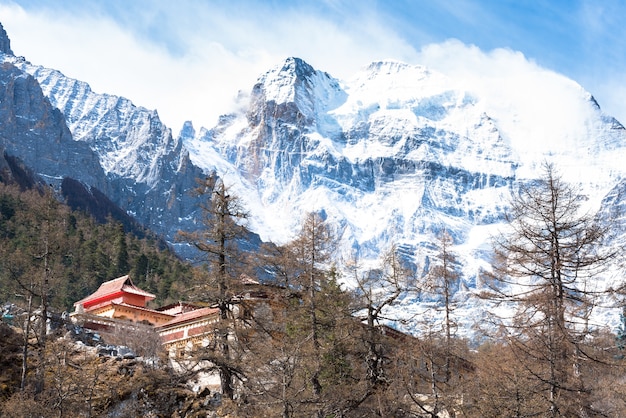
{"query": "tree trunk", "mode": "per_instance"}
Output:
(25, 347)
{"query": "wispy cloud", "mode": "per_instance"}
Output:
(188, 59)
(190, 62)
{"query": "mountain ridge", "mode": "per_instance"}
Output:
(405, 154)
(5, 42)
(394, 155)
(120, 149)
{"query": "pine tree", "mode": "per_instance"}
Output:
(121, 261)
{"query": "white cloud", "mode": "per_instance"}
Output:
(537, 110)
(113, 60)
(189, 60)
(100, 52)
(220, 56)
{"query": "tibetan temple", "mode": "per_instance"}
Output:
(119, 305)
(121, 299)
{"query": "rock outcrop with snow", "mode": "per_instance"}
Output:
(61, 128)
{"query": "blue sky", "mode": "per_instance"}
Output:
(189, 58)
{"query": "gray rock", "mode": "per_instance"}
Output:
(5, 42)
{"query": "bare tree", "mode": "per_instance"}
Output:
(443, 279)
(305, 365)
(438, 352)
(220, 240)
(377, 289)
(501, 385)
(312, 249)
(545, 263)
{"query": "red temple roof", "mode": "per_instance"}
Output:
(191, 316)
(114, 288)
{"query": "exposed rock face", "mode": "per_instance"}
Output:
(286, 104)
(305, 135)
(5, 42)
(123, 150)
(33, 130)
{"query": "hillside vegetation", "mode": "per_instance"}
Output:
(38, 234)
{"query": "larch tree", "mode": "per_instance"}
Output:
(443, 279)
(313, 249)
(305, 365)
(545, 264)
(321, 327)
(500, 385)
(377, 289)
(220, 241)
(280, 385)
(438, 348)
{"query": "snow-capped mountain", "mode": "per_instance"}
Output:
(33, 130)
(61, 128)
(393, 155)
(399, 152)
(148, 171)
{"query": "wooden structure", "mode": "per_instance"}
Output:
(189, 329)
(120, 306)
(120, 299)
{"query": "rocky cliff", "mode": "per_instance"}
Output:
(35, 131)
(5, 42)
(61, 128)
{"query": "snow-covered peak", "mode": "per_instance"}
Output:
(295, 81)
(399, 151)
(391, 68)
(411, 95)
(538, 114)
(187, 131)
(280, 83)
(397, 80)
(388, 66)
(541, 114)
